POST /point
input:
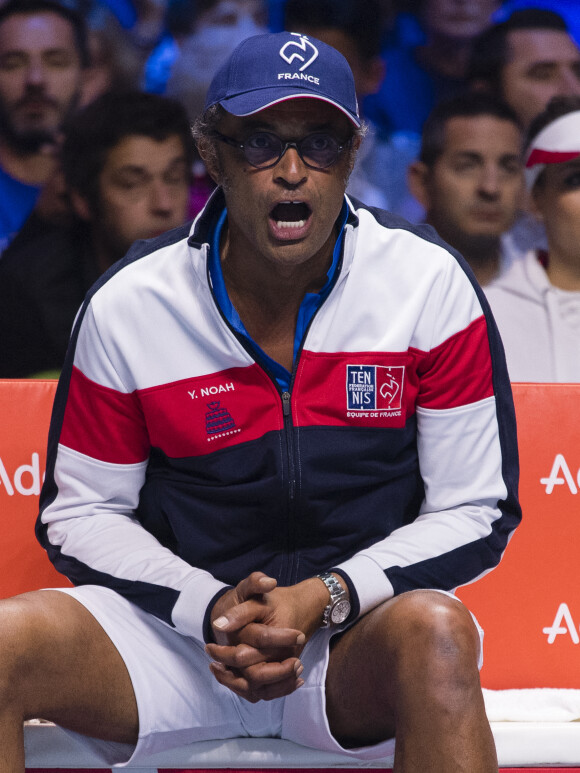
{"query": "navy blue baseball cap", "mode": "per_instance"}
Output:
(264, 70)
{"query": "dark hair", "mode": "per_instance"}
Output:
(468, 105)
(67, 12)
(361, 20)
(491, 51)
(557, 107)
(92, 132)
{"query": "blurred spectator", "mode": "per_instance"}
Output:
(215, 29)
(104, 72)
(427, 66)
(526, 60)
(43, 56)
(537, 301)
(433, 68)
(117, 60)
(126, 160)
(469, 178)
(204, 32)
(353, 27)
(567, 9)
(132, 29)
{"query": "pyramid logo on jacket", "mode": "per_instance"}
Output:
(218, 420)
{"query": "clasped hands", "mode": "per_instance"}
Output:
(260, 630)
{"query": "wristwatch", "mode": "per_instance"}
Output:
(336, 612)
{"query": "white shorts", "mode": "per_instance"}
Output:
(179, 700)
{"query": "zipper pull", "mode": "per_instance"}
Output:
(286, 403)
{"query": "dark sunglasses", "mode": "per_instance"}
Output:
(263, 149)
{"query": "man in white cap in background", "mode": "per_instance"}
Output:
(536, 303)
(282, 437)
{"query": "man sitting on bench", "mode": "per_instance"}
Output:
(282, 437)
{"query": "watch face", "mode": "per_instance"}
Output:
(340, 612)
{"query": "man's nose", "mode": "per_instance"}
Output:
(489, 181)
(162, 197)
(35, 72)
(291, 168)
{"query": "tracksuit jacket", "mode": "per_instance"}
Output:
(177, 464)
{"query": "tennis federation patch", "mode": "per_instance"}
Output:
(375, 390)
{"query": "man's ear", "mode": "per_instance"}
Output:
(356, 142)
(352, 154)
(208, 152)
(417, 178)
(81, 206)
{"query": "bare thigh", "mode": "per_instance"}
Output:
(57, 663)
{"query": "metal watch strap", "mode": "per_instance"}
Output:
(337, 593)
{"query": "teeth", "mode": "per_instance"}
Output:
(290, 223)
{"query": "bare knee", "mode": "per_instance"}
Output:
(432, 639)
(435, 618)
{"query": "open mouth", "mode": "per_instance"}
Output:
(290, 214)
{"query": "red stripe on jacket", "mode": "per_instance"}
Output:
(103, 423)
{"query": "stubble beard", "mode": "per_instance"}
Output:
(28, 141)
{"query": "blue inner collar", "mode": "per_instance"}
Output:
(310, 303)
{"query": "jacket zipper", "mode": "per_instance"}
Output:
(287, 413)
(286, 396)
(290, 578)
(288, 435)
